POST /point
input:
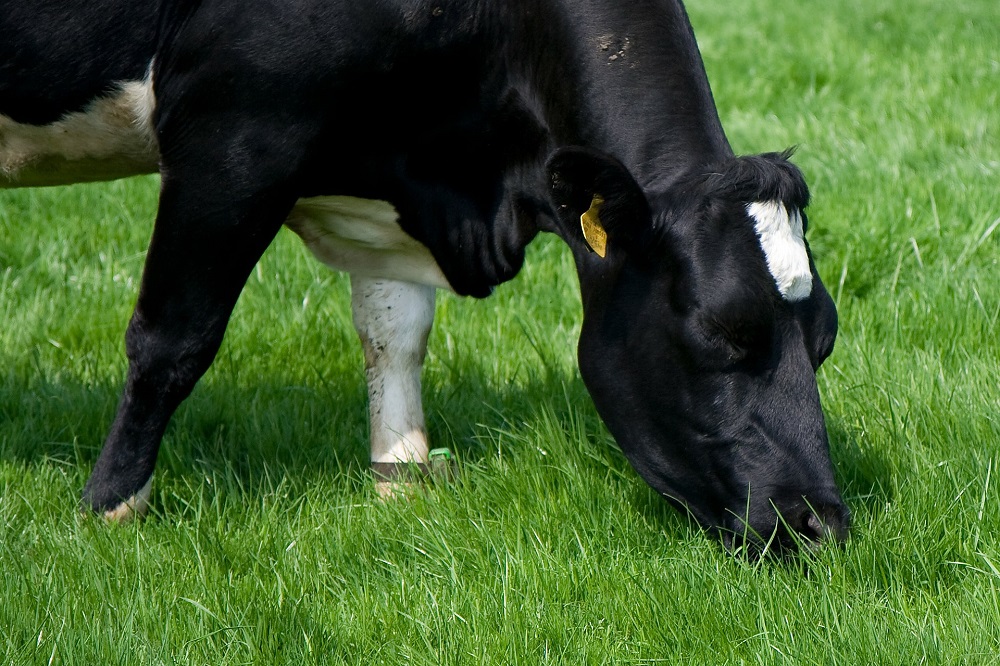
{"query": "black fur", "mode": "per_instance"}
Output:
(42, 74)
(483, 123)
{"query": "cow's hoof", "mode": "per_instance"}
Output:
(401, 479)
(134, 507)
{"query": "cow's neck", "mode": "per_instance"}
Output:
(630, 83)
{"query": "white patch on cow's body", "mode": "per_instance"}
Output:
(393, 320)
(782, 239)
(134, 506)
(363, 237)
(112, 138)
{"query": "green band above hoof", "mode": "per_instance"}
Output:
(441, 465)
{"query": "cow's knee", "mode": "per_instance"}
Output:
(393, 320)
(167, 357)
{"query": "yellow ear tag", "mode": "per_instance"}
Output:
(593, 230)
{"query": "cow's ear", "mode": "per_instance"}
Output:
(596, 198)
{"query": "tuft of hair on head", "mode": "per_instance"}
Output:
(764, 177)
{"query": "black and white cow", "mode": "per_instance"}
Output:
(422, 145)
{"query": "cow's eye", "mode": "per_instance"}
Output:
(825, 348)
(819, 321)
(721, 343)
(742, 340)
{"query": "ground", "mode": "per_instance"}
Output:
(267, 543)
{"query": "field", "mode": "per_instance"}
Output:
(267, 544)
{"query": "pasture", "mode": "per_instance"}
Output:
(266, 541)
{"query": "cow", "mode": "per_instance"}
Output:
(422, 145)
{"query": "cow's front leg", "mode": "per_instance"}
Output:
(210, 230)
(393, 320)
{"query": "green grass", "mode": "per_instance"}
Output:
(267, 544)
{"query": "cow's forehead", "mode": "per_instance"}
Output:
(779, 230)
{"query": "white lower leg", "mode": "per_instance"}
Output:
(393, 320)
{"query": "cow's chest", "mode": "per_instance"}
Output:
(363, 237)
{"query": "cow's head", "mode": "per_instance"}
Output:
(703, 329)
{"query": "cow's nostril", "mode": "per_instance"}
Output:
(818, 524)
(815, 529)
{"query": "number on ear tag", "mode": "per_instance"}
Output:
(593, 230)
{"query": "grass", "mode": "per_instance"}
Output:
(267, 545)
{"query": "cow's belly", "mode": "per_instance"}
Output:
(111, 138)
(363, 237)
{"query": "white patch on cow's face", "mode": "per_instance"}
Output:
(112, 138)
(781, 237)
(363, 237)
(393, 320)
(133, 507)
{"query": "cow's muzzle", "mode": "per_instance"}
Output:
(789, 525)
